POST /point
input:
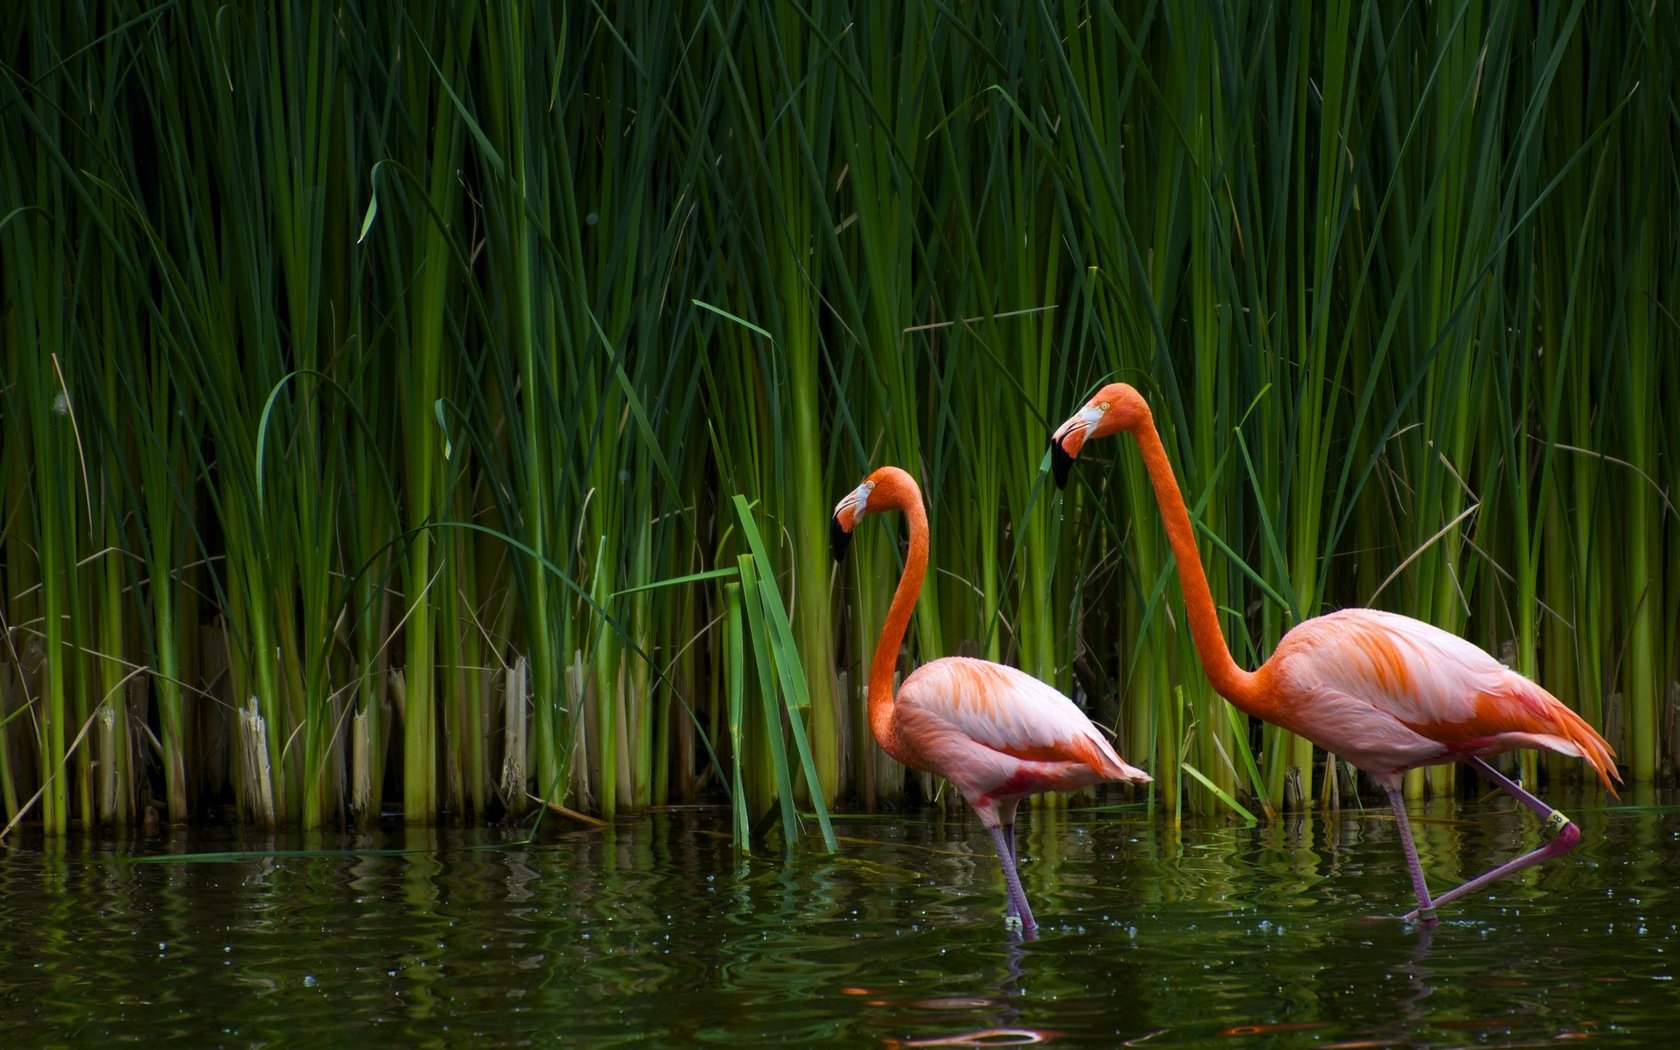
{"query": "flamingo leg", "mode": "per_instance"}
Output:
(1426, 907)
(1006, 814)
(1018, 907)
(1552, 817)
(1565, 833)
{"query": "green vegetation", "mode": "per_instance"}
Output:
(439, 408)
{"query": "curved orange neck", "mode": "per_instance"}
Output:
(898, 620)
(1240, 687)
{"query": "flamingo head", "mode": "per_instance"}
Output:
(884, 489)
(1116, 407)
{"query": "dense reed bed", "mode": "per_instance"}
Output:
(438, 408)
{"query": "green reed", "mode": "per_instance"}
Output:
(375, 388)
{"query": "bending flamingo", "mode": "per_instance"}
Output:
(996, 733)
(1385, 692)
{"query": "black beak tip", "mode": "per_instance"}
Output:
(1060, 463)
(838, 539)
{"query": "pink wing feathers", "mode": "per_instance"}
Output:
(1010, 712)
(1370, 666)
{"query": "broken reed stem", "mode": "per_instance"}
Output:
(361, 767)
(570, 814)
(514, 729)
(259, 783)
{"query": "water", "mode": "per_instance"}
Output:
(652, 933)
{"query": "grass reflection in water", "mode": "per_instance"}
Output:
(653, 931)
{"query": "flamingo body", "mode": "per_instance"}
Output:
(996, 733)
(1390, 693)
(1385, 692)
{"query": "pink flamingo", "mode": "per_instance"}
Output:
(1385, 692)
(996, 733)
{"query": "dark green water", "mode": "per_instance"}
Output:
(652, 933)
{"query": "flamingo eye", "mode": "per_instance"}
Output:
(1103, 407)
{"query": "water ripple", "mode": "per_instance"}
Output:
(653, 930)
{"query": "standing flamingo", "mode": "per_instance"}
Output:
(1385, 692)
(994, 732)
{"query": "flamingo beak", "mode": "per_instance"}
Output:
(846, 515)
(1069, 438)
(1061, 461)
(839, 538)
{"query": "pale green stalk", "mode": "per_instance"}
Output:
(425, 467)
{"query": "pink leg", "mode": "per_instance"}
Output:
(1426, 906)
(1516, 791)
(1006, 814)
(1017, 896)
(1565, 833)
